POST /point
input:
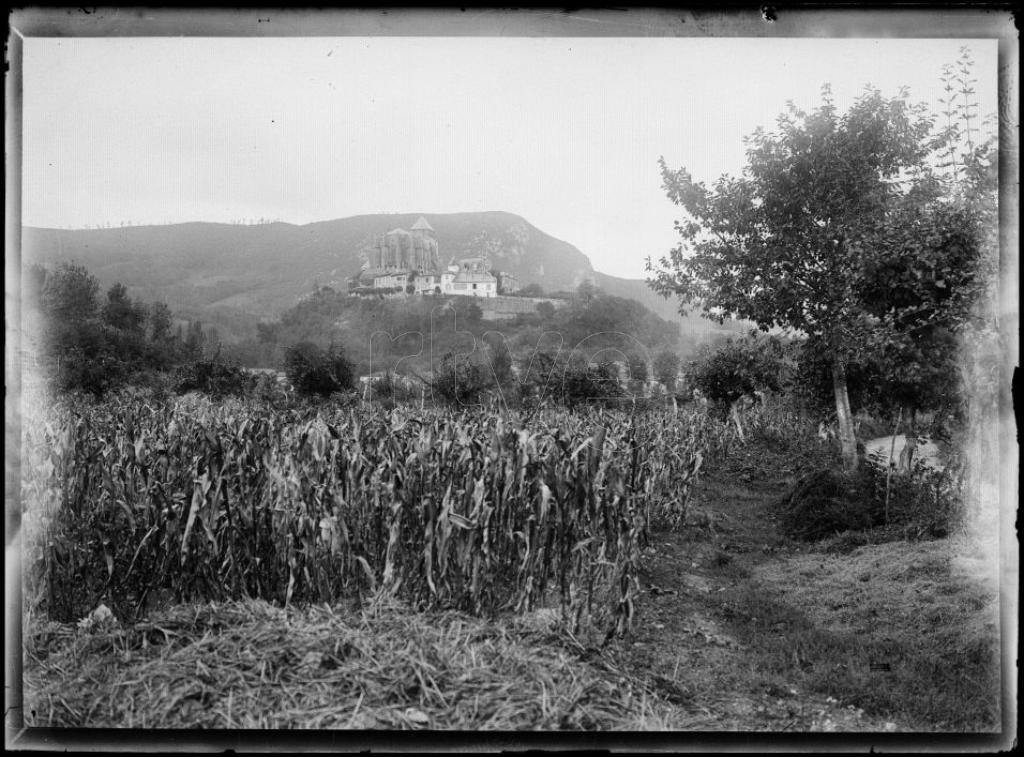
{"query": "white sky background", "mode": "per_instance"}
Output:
(563, 131)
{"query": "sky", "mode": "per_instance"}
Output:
(566, 132)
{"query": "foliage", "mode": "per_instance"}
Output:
(584, 382)
(121, 313)
(568, 380)
(458, 380)
(666, 368)
(834, 214)
(637, 365)
(920, 502)
(317, 503)
(315, 371)
(924, 502)
(472, 312)
(740, 367)
(499, 359)
(83, 346)
(214, 378)
(826, 502)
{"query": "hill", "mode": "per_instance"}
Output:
(234, 276)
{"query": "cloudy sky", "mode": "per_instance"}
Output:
(563, 131)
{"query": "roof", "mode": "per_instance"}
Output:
(422, 224)
(397, 231)
(467, 277)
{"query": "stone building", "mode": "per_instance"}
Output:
(473, 278)
(402, 263)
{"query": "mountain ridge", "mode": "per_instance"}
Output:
(205, 268)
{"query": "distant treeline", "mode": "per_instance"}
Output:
(414, 333)
(79, 340)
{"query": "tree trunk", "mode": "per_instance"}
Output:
(847, 436)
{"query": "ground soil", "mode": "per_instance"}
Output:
(684, 644)
(871, 620)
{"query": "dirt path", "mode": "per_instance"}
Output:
(693, 616)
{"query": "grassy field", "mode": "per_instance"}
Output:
(671, 599)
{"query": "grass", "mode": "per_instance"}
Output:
(898, 629)
(252, 665)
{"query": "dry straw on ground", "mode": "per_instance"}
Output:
(251, 665)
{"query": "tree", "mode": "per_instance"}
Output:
(69, 294)
(740, 367)
(458, 381)
(121, 313)
(794, 241)
(194, 340)
(159, 322)
(473, 312)
(637, 365)
(312, 370)
(666, 368)
(531, 290)
(500, 358)
(586, 292)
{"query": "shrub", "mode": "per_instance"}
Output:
(458, 382)
(268, 389)
(923, 501)
(741, 367)
(589, 383)
(314, 371)
(825, 503)
(213, 378)
(546, 310)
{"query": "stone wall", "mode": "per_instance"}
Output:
(498, 308)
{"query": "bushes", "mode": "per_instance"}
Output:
(213, 378)
(314, 371)
(87, 346)
(458, 382)
(743, 366)
(922, 503)
(549, 377)
(825, 503)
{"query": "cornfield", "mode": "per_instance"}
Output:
(439, 508)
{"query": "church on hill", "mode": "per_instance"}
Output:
(401, 263)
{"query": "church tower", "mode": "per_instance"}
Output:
(425, 245)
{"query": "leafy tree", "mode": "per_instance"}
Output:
(159, 322)
(313, 370)
(500, 359)
(70, 294)
(119, 312)
(586, 292)
(531, 290)
(195, 339)
(583, 382)
(458, 381)
(823, 204)
(741, 367)
(214, 378)
(637, 365)
(472, 312)
(666, 368)
(545, 310)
